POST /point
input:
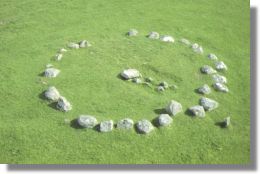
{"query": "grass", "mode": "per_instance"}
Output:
(31, 32)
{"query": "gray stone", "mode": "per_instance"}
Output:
(219, 79)
(132, 32)
(58, 57)
(137, 80)
(73, 45)
(153, 35)
(220, 87)
(205, 89)
(84, 43)
(87, 121)
(207, 69)
(173, 108)
(52, 94)
(144, 126)
(164, 120)
(167, 38)
(226, 121)
(164, 84)
(208, 104)
(51, 72)
(106, 126)
(221, 66)
(63, 104)
(185, 41)
(160, 88)
(130, 74)
(197, 111)
(212, 56)
(126, 123)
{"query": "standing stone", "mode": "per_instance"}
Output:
(164, 84)
(51, 72)
(219, 79)
(153, 35)
(212, 56)
(132, 32)
(87, 121)
(106, 126)
(164, 120)
(208, 104)
(52, 93)
(207, 69)
(205, 89)
(220, 66)
(185, 41)
(73, 45)
(84, 43)
(58, 57)
(227, 122)
(126, 123)
(144, 126)
(167, 38)
(63, 104)
(130, 74)
(220, 87)
(197, 111)
(173, 108)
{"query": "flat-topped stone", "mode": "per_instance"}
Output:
(144, 126)
(63, 104)
(208, 104)
(51, 72)
(130, 74)
(106, 126)
(126, 124)
(52, 94)
(197, 111)
(87, 121)
(173, 108)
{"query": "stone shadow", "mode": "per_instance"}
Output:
(160, 111)
(221, 124)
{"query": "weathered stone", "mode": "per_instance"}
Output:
(153, 35)
(207, 69)
(106, 126)
(167, 38)
(208, 104)
(185, 41)
(137, 80)
(87, 121)
(132, 32)
(226, 121)
(219, 79)
(126, 123)
(58, 57)
(51, 72)
(173, 108)
(130, 74)
(212, 56)
(220, 66)
(73, 45)
(63, 104)
(164, 120)
(52, 93)
(197, 111)
(205, 89)
(220, 87)
(84, 43)
(144, 126)
(160, 88)
(164, 84)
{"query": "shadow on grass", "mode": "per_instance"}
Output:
(53, 105)
(160, 111)
(189, 113)
(120, 77)
(42, 96)
(155, 122)
(221, 124)
(41, 74)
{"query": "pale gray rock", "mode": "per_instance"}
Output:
(52, 94)
(185, 41)
(84, 43)
(219, 79)
(153, 35)
(208, 104)
(87, 121)
(221, 66)
(220, 87)
(207, 69)
(130, 74)
(164, 84)
(167, 38)
(132, 32)
(212, 56)
(173, 108)
(58, 57)
(197, 111)
(160, 88)
(63, 104)
(197, 48)
(62, 50)
(137, 80)
(144, 126)
(164, 120)
(126, 124)
(73, 45)
(226, 121)
(205, 89)
(51, 72)
(106, 126)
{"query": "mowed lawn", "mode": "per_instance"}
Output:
(33, 131)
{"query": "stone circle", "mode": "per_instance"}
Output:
(87, 121)
(144, 126)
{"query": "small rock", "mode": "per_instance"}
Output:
(197, 111)
(212, 56)
(84, 43)
(73, 45)
(226, 122)
(49, 65)
(63, 104)
(219, 79)
(173, 108)
(220, 87)
(58, 57)
(207, 69)
(62, 50)
(126, 123)
(106, 126)
(132, 32)
(164, 120)
(185, 41)
(51, 72)
(87, 121)
(205, 89)
(149, 79)
(130, 74)
(52, 94)
(160, 88)
(144, 126)
(167, 39)
(164, 84)
(197, 48)
(153, 35)
(137, 80)
(220, 66)
(208, 104)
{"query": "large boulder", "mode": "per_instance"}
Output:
(106, 126)
(153, 35)
(220, 87)
(130, 74)
(219, 79)
(197, 111)
(51, 72)
(173, 108)
(126, 123)
(205, 89)
(87, 121)
(144, 126)
(207, 69)
(132, 32)
(221, 66)
(52, 94)
(63, 104)
(167, 38)
(164, 120)
(208, 104)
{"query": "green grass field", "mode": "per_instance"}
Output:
(31, 32)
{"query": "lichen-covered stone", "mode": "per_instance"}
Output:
(219, 79)
(221, 66)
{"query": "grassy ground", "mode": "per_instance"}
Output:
(32, 131)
